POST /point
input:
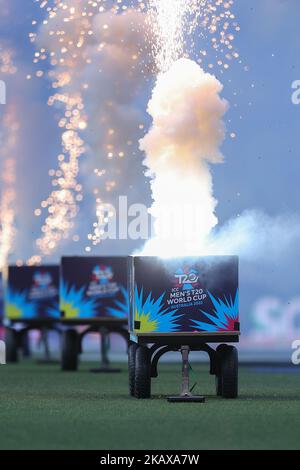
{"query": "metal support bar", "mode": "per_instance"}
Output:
(186, 395)
(45, 342)
(185, 350)
(105, 344)
(104, 332)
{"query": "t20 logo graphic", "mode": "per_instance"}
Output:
(102, 283)
(186, 278)
(42, 279)
(43, 287)
(102, 274)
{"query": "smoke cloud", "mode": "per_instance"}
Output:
(185, 137)
(256, 236)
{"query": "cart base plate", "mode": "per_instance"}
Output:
(182, 399)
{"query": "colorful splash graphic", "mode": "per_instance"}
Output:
(152, 315)
(74, 304)
(225, 315)
(121, 308)
(17, 305)
(32, 293)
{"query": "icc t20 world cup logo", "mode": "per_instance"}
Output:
(102, 274)
(186, 278)
(102, 282)
(42, 286)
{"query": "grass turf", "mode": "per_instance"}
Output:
(44, 408)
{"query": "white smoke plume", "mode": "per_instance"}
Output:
(256, 236)
(184, 139)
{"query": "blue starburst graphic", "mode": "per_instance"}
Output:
(17, 305)
(121, 308)
(225, 314)
(74, 304)
(153, 315)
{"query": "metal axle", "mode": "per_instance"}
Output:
(185, 350)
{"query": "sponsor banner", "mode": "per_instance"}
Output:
(93, 287)
(32, 293)
(184, 294)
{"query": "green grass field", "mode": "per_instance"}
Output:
(44, 408)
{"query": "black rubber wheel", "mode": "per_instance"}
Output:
(229, 372)
(70, 350)
(142, 382)
(131, 367)
(12, 345)
(219, 351)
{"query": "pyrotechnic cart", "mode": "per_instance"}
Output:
(183, 304)
(93, 299)
(30, 303)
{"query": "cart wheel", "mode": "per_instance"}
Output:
(219, 351)
(12, 345)
(131, 366)
(229, 372)
(69, 359)
(142, 388)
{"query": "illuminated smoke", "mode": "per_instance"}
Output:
(7, 66)
(8, 140)
(60, 40)
(116, 110)
(98, 63)
(185, 137)
(102, 53)
(187, 129)
(8, 143)
(256, 236)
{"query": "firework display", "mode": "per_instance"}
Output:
(93, 288)
(184, 295)
(8, 138)
(32, 293)
(1, 299)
